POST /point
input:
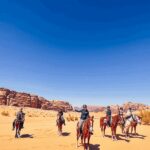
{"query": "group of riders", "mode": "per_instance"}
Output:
(20, 117)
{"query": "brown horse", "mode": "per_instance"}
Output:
(59, 123)
(18, 126)
(114, 122)
(134, 125)
(87, 128)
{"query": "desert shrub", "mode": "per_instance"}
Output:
(5, 113)
(71, 118)
(145, 114)
(68, 118)
(76, 118)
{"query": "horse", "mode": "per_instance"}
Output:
(18, 126)
(131, 122)
(59, 123)
(134, 125)
(114, 122)
(85, 132)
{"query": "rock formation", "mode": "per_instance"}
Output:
(13, 98)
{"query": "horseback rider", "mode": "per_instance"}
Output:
(20, 117)
(129, 113)
(61, 117)
(84, 115)
(120, 111)
(121, 114)
(108, 116)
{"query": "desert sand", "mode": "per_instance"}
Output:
(40, 133)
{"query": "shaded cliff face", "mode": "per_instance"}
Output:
(13, 98)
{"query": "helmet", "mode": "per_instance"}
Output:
(84, 106)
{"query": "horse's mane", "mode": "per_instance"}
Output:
(87, 121)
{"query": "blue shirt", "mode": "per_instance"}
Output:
(84, 114)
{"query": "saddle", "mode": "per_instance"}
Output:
(108, 121)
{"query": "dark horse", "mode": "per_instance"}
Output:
(87, 128)
(59, 123)
(17, 125)
(114, 122)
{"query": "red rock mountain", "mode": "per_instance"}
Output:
(13, 98)
(114, 108)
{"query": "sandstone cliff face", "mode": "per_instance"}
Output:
(13, 98)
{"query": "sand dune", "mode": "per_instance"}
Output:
(40, 133)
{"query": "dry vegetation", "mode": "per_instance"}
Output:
(5, 113)
(145, 114)
(72, 118)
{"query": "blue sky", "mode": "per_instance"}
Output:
(94, 52)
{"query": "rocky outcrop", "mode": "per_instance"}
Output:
(13, 98)
(114, 108)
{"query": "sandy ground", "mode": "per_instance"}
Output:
(42, 127)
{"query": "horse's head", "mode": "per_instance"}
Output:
(90, 123)
(137, 118)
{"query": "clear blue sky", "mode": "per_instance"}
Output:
(83, 51)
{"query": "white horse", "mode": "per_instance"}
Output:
(128, 123)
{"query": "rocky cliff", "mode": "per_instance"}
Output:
(13, 98)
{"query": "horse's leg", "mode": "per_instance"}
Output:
(115, 133)
(131, 129)
(127, 132)
(58, 130)
(101, 130)
(84, 139)
(135, 130)
(19, 131)
(112, 131)
(104, 130)
(61, 129)
(122, 129)
(88, 143)
(16, 133)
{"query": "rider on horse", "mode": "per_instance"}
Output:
(84, 116)
(120, 111)
(20, 117)
(129, 113)
(60, 116)
(108, 115)
(121, 114)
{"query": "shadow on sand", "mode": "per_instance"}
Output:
(95, 146)
(122, 137)
(26, 136)
(119, 137)
(65, 134)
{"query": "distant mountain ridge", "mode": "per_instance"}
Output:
(21, 99)
(114, 108)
